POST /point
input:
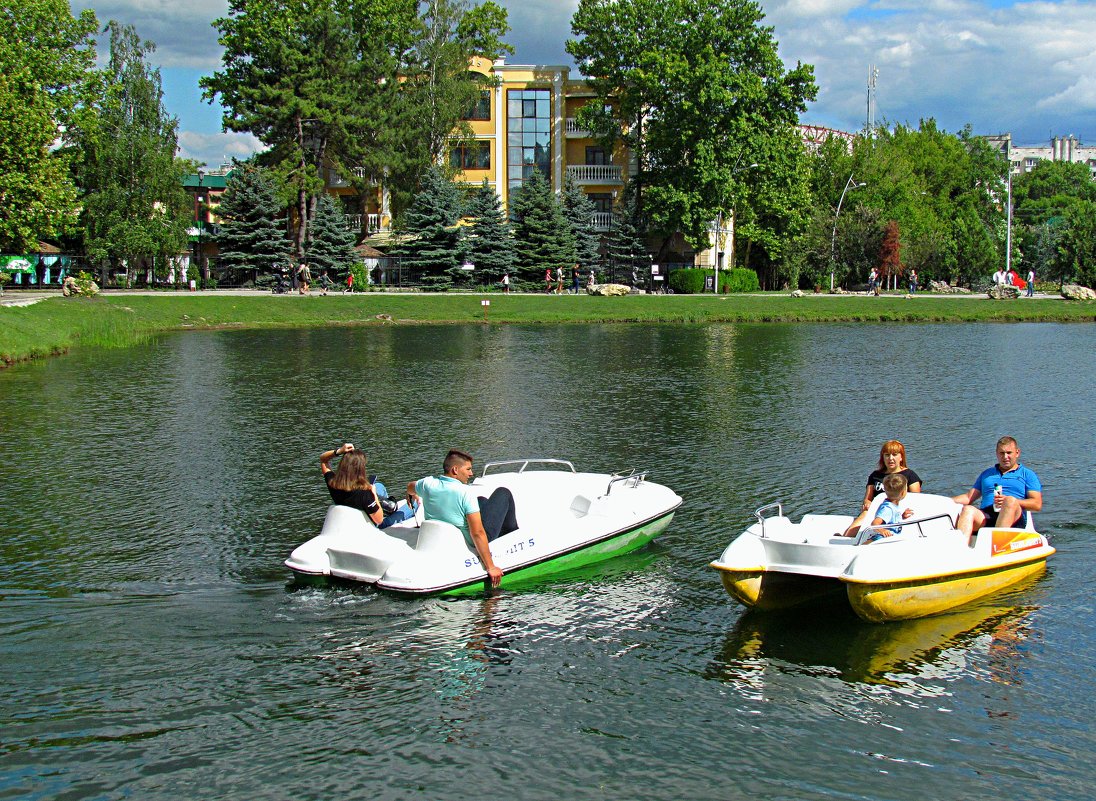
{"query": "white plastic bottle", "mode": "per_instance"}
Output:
(998, 493)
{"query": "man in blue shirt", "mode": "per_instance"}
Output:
(447, 498)
(1021, 491)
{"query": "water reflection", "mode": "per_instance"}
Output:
(913, 658)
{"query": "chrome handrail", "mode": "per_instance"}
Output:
(767, 507)
(525, 463)
(631, 475)
(863, 533)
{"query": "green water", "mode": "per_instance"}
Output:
(154, 646)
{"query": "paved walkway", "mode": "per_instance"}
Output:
(32, 296)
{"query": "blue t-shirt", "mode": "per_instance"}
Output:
(1017, 482)
(448, 500)
(889, 511)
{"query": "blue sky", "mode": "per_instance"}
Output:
(1026, 67)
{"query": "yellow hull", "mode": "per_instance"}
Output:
(904, 600)
(764, 590)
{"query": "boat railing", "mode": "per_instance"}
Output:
(525, 463)
(632, 479)
(760, 514)
(888, 528)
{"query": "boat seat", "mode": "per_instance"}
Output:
(437, 536)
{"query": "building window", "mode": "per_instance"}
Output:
(471, 156)
(597, 155)
(603, 202)
(481, 110)
(528, 134)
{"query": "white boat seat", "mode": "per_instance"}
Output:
(437, 536)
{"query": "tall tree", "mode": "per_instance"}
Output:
(692, 85)
(433, 250)
(436, 88)
(489, 241)
(134, 204)
(542, 237)
(331, 242)
(369, 88)
(890, 253)
(252, 233)
(626, 252)
(579, 211)
(45, 72)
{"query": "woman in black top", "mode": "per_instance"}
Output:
(349, 484)
(892, 459)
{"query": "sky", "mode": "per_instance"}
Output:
(1022, 66)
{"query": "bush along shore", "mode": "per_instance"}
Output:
(55, 325)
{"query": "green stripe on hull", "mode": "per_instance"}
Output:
(605, 549)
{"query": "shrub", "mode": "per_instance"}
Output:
(739, 280)
(690, 280)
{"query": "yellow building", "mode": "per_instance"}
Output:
(524, 123)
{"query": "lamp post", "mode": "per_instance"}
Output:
(849, 184)
(201, 224)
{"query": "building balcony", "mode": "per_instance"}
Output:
(372, 222)
(603, 221)
(583, 174)
(336, 181)
(573, 131)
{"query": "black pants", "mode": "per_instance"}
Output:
(498, 514)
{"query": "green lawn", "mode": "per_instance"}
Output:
(57, 324)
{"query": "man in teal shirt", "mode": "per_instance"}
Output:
(449, 499)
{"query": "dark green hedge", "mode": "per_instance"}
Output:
(690, 281)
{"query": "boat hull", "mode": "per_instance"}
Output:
(909, 599)
(610, 547)
(771, 590)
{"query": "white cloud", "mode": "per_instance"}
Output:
(215, 149)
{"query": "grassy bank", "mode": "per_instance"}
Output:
(58, 324)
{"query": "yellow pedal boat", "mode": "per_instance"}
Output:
(923, 567)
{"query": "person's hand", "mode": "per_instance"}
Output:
(347, 447)
(495, 574)
(906, 515)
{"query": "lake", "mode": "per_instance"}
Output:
(154, 646)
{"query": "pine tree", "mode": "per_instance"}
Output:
(489, 241)
(330, 241)
(251, 236)
(434, 250)
(579, 211)
(542, 237)
(626, 251)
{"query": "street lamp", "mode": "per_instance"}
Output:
(198, 214)
(730, 231)
(849, 184)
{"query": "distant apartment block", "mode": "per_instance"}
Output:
(1024, 158)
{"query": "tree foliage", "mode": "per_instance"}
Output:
(434, 247)
(694, 85)
(252, 234)
(330, 240)
(579, 211)
(370, 88)
(542, 237)
(625, 252)
(45, 72)
(489, 240)
(134, 204)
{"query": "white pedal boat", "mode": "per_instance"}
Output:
(567, 519)
(925, 568)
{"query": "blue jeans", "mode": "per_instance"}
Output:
(398, 516)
